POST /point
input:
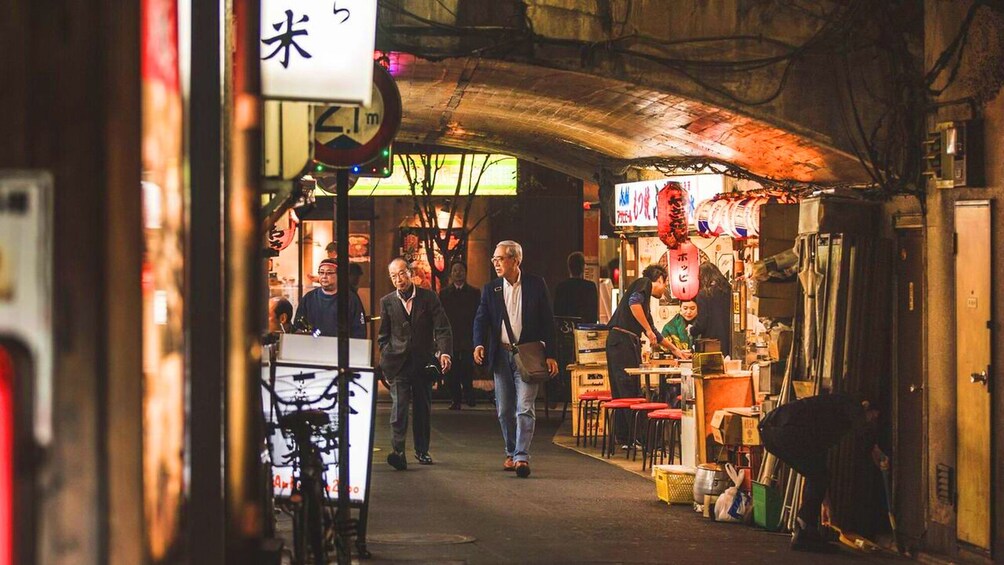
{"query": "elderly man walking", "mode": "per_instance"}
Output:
(523, 297)
(414, 332)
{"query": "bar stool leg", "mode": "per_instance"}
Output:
(674, 439)
(648, 449)
(606, 431)
(596, 425)
(578, 422)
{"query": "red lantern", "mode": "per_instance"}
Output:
(684, 263)
(672, 214)
(281, 234)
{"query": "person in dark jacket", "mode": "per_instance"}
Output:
(714, 307)
(523, 297)
(801, 433)
(414, 333)
(319, 307)
(460, 300)
(575, 297)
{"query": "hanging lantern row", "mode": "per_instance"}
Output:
(672, 214)
(735, 214)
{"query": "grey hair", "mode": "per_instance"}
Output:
(513, 249)
(407, 265)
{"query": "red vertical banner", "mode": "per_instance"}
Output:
(6, 459)
(163, 280)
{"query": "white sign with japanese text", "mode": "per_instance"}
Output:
(310, 384)
(637, 202)
(318, 50)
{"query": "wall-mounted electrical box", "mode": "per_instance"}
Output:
(953, 154)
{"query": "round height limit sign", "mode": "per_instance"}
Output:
(345, 136)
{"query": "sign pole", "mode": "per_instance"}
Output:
(343, 516)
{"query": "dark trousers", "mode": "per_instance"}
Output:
(623, 352)
(802, 450)
(416, 390)
(461, 376)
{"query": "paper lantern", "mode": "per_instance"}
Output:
(281, 234)
(684, 262)
(672, 214)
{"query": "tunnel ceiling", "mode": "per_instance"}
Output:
(578, 123)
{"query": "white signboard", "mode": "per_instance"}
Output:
(319, 51)
(310, 384)
(637, 202)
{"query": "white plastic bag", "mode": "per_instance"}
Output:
(733, 505)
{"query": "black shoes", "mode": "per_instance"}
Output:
(471, 402)
(522, 469)
(455, 406)
(805, 538)
(423, 458)
(397, 460)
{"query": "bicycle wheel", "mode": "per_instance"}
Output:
(313, 510)
(299, 532)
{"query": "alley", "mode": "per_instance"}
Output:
(572, 509)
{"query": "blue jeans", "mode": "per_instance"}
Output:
(515, 402)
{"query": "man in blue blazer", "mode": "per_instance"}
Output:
(524, 297)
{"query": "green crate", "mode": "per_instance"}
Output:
(766, 506)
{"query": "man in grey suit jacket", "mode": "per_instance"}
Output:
(414, 333)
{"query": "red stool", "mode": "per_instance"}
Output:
(588, 404)
(605, 396)
(656, 440)
(609, 409)
(639, 409)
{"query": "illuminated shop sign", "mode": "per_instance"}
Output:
(499, 178)
(318, 50)
(637, 202)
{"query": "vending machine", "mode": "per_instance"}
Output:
(26, 354)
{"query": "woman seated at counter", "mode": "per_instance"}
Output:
(677, 330)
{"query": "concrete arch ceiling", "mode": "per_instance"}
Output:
(578, 123)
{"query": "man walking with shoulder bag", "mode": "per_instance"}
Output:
(514, 310)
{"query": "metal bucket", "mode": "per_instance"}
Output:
(710, 479)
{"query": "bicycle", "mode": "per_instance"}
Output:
(312, 436)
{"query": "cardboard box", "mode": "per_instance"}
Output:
(768, 289)
(779, 221)
(803, 389)
(770, 246)
(749, 420)
(751, 432)
(835, 214)
(727, 428)
(769, 307)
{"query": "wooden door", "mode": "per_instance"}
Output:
(909, 382)
(973, 379)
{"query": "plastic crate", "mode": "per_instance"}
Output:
(674, 484)
(766, 506)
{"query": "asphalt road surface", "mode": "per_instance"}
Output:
(572, 509)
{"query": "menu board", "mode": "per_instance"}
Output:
(308, 385)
